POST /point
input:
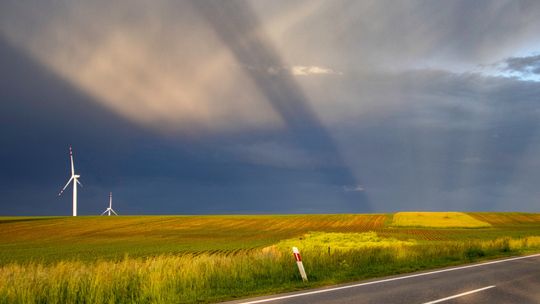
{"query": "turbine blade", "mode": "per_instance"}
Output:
(62, 191)
(78, 182)
(114, 211)
(71, 157)
(104, 212)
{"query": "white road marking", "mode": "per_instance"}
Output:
(459, 295)
(388, 280)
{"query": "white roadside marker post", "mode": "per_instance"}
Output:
(298, 259)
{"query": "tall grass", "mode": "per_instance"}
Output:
(161, 279)
(193, 278)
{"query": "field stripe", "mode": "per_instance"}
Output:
(459, 295)
(389, 280)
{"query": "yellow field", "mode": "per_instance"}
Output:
(331, 241)
(437, 220)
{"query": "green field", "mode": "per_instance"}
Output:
(190, 259)
(49, 239)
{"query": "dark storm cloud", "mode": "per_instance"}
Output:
(461, 141)
(150, 173)
(195, 107)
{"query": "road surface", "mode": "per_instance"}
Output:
(512, 280)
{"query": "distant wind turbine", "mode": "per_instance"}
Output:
(75, 179)
(110, 209)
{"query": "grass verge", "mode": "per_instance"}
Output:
(207, 277)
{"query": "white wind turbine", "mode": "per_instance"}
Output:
(110, 209)
(75, 179)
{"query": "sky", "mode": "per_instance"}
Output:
(257, 107)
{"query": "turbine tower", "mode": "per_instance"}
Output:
(75, 179)
(110, 209)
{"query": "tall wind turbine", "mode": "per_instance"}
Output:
(110, 209)
(75, 179)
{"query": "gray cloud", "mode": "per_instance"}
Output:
(524, 65)
(370, 35)
(244, 36)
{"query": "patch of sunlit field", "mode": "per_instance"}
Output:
(437, 220)
(338, 241)
(203, 259)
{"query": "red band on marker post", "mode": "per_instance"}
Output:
(298, 259)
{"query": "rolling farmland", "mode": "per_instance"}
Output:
(210, 258)
(89, 238)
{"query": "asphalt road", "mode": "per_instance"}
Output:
(514, 280)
